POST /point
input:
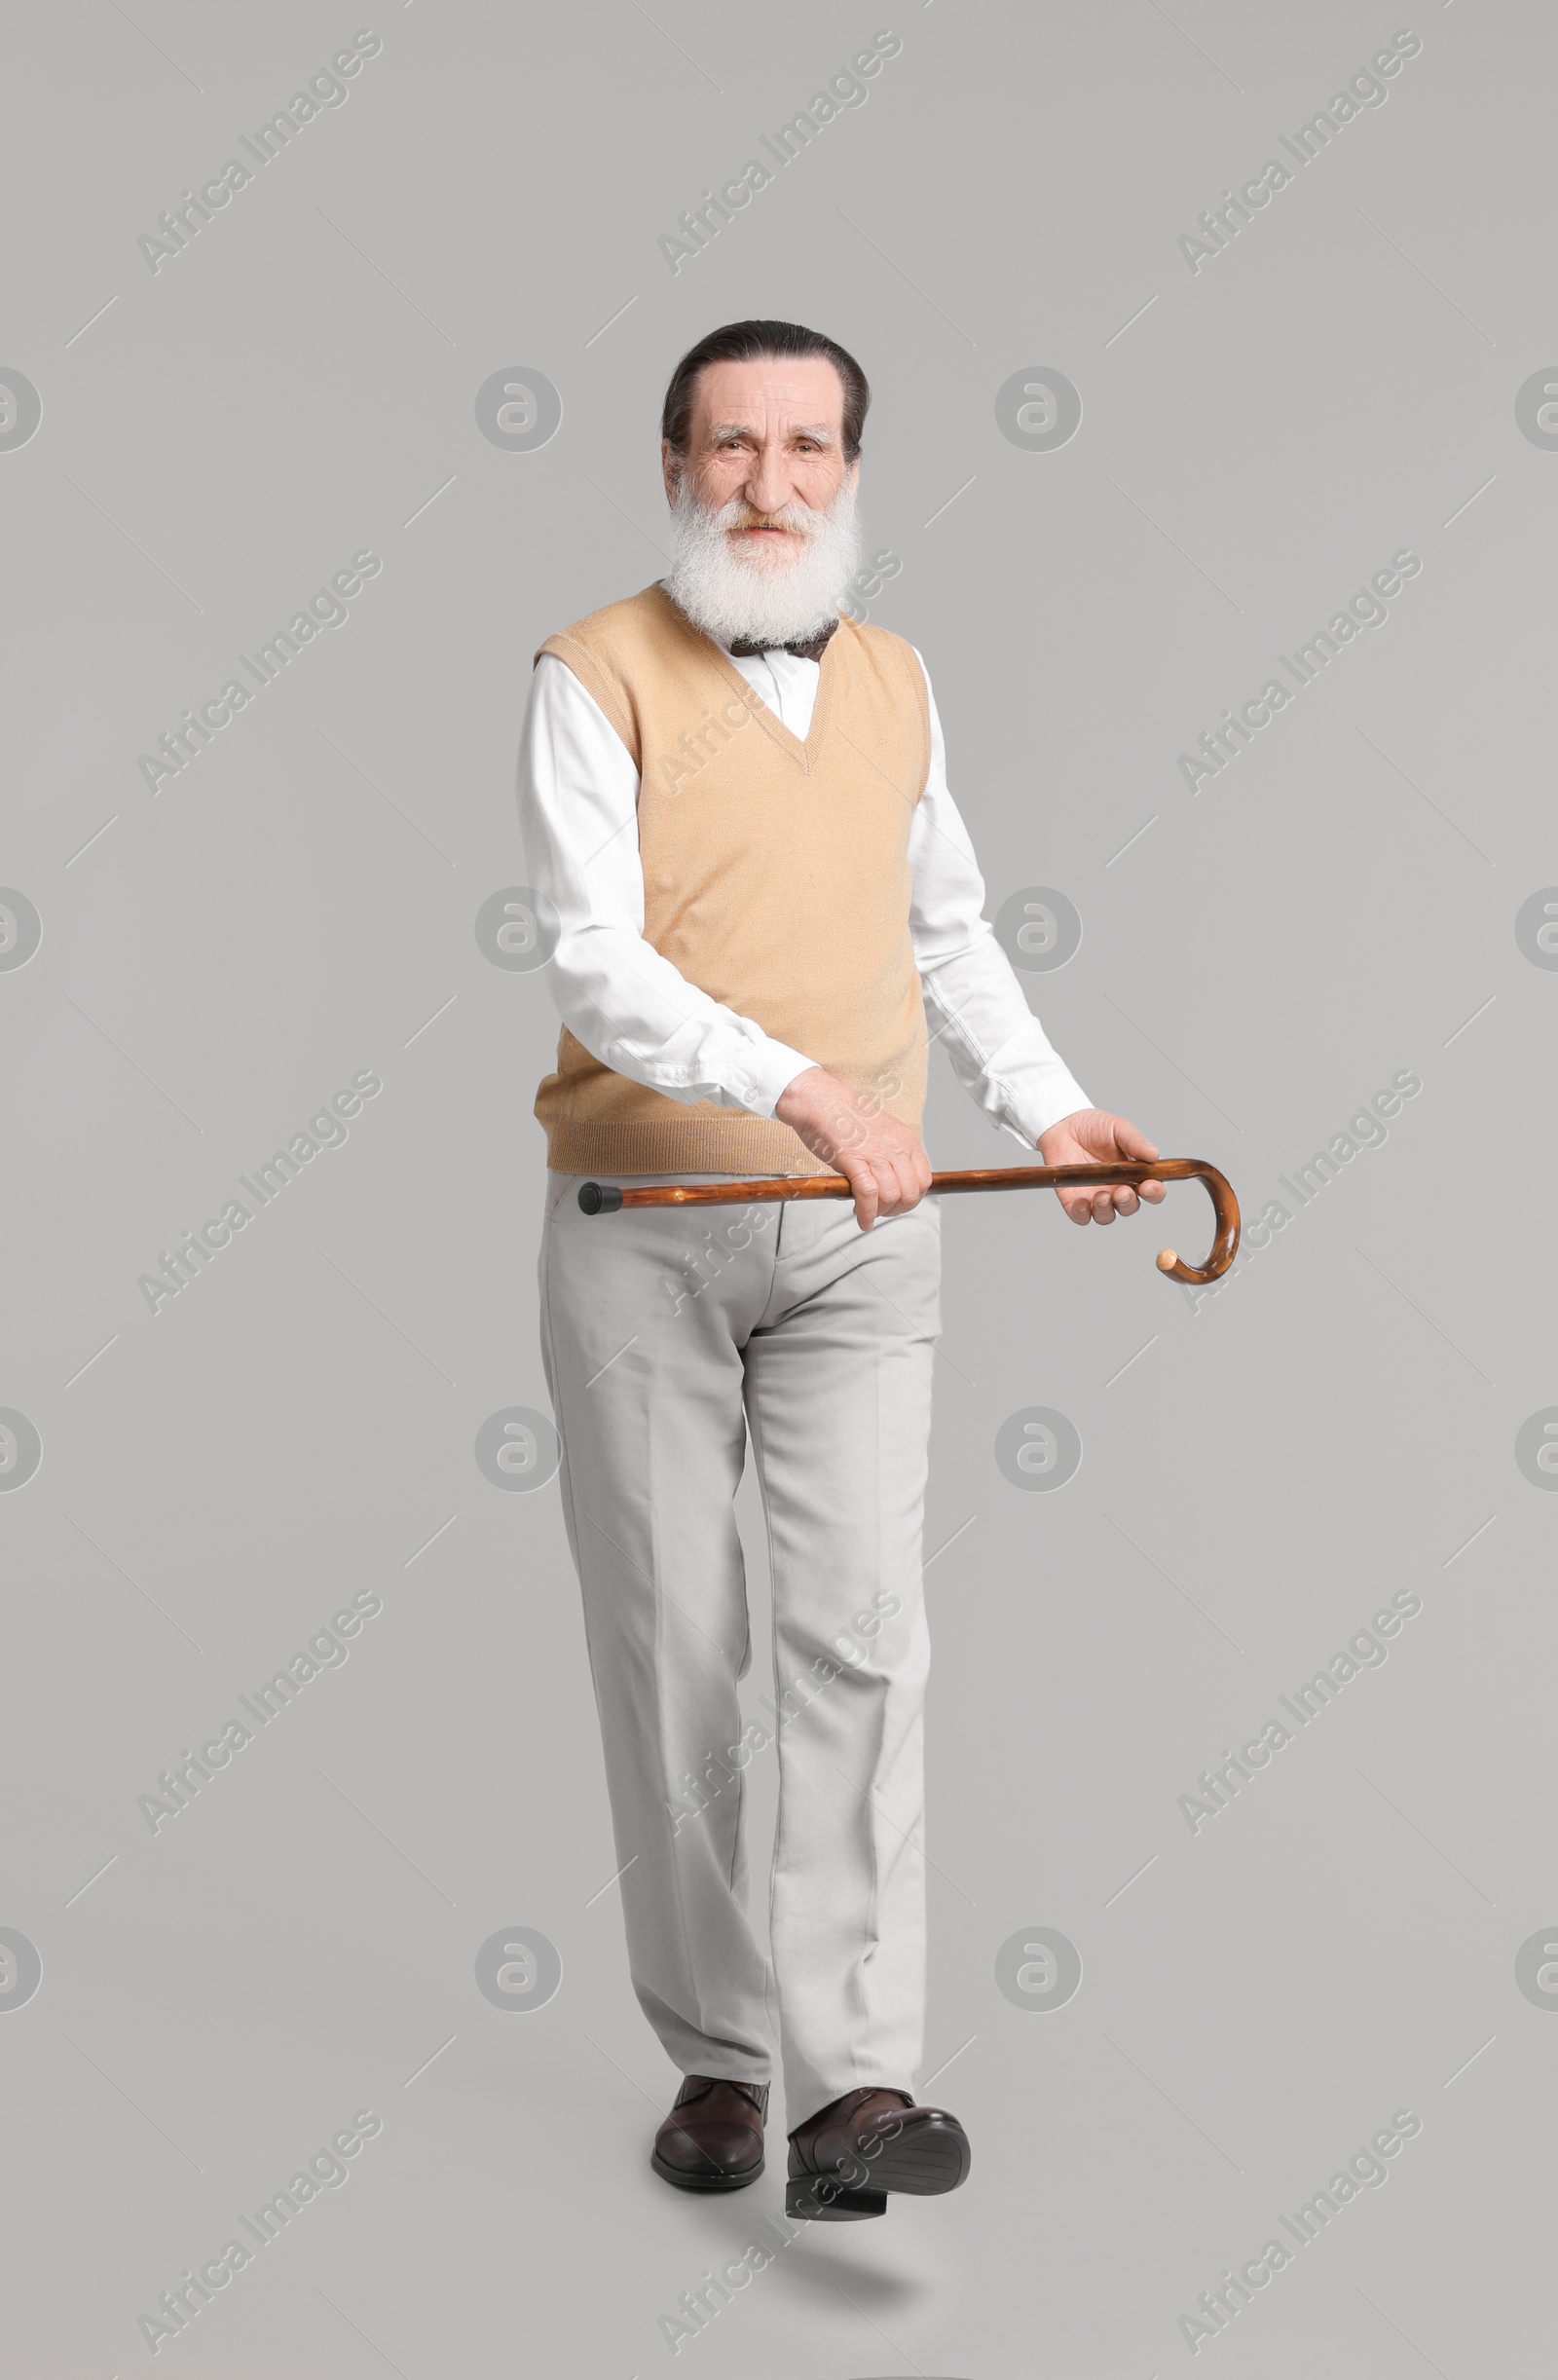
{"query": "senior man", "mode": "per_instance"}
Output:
(736, 797)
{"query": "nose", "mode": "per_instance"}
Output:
(768, 484)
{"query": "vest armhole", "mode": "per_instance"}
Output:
(885, 640)
(922, 710)
(596, 683)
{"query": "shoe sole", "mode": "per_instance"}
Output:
(815, 2199)
(681, 2180)
(924, 2161)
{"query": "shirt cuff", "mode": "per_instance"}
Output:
(1060, 1096)
(764, 1076)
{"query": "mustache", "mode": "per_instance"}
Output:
(739, 514)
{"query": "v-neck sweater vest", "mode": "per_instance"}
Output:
(776, 878)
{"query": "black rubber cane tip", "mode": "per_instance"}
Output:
(599, 1197)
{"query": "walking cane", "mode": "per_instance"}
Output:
(603, 1197)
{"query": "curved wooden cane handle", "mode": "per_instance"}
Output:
(604, 1197)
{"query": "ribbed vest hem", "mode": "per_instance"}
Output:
(730, 1143)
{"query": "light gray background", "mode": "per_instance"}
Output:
(1335, 1425)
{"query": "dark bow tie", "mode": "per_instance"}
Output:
(810, 650)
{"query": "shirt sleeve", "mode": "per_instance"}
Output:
(630, 1008)
(975, 1004)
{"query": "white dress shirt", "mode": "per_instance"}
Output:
(639, 1015)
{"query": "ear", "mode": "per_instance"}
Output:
(668, 470)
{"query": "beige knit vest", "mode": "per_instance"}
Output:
(776, 877)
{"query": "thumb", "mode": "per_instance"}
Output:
(1133, 1144)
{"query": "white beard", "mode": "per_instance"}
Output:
(731, 595)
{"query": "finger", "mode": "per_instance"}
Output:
(905, 1189)
(1125, 1202)
(1103, 1207)
(910, 1189)
(1153, 1192)
(1133, 1143)
(1078, 1207)
(885, 1176)
(864, 1185)
(917, 1172)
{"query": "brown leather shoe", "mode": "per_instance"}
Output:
(711, 2140)
(846, 2158)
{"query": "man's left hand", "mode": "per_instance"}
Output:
(1095, 1137)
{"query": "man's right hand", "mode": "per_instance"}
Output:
(883, 1161)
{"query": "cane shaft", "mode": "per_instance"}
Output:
(596, 1198)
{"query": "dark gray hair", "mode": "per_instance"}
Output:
(745, 342)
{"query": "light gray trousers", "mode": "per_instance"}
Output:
(665, 1336)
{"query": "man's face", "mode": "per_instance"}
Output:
(766, 435)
